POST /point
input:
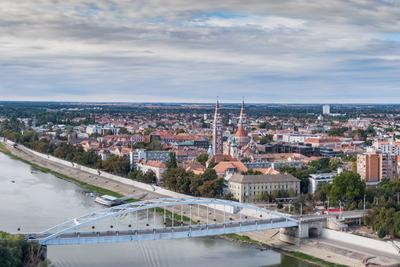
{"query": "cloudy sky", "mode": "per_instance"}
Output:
(193, 51)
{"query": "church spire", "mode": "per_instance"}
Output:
(241, 117)
(217, 131)
(241, 133)
(216, 107)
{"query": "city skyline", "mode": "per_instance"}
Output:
(186, 51)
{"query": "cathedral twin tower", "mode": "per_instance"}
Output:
(241, 136)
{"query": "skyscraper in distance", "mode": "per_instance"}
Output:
(326, 109)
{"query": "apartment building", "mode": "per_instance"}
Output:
(389, 147)
(373, 167)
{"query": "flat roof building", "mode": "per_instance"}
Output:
(318, 179)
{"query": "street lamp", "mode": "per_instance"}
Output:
(364, 202)
(301, 209)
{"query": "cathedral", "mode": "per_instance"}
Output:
(237, 143)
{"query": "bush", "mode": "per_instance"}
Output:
(382, 232)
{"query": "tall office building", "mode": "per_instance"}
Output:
(326, 109)
(217, 143)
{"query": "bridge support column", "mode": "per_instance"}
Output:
(289, 235)
(299, 229)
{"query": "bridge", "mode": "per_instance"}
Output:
(164, 218)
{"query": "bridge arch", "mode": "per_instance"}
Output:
(243, 210)
(313, 232)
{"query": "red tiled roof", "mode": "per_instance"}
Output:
(222, 166)
(154, 163)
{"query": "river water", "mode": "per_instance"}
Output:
(34, 201)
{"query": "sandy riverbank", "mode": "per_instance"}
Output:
(323, 249)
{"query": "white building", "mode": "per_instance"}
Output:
(318, 179)
(93, 129)
(326, 109)
(293, 137)
(246, 188)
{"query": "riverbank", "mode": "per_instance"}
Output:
(88, 187)
(244, 239)
(98, 184)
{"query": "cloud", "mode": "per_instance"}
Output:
(261, 22)
(284, 51)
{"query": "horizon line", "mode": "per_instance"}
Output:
(196, 103)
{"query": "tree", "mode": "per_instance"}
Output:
(245, 159)
(266, 139)
(89, 158)
(334, 163)
(42, 146)
(64, 151)
(321, 194)
(171, 163)
(154, 145)
(149, 177)
(180, 131)
(382, 232)
(195, 182)
(123, 130)
(116, 165)
(28, 138)
(320, 165)
(173, 177)
(202, 158)
(338, 131)
(262, 197)
(212, 188)
(301, 174)
(15, 251)
(347, 187)
(252, 172)
(264, 125)
(209, 174)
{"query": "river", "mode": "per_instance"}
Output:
(34, 201)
